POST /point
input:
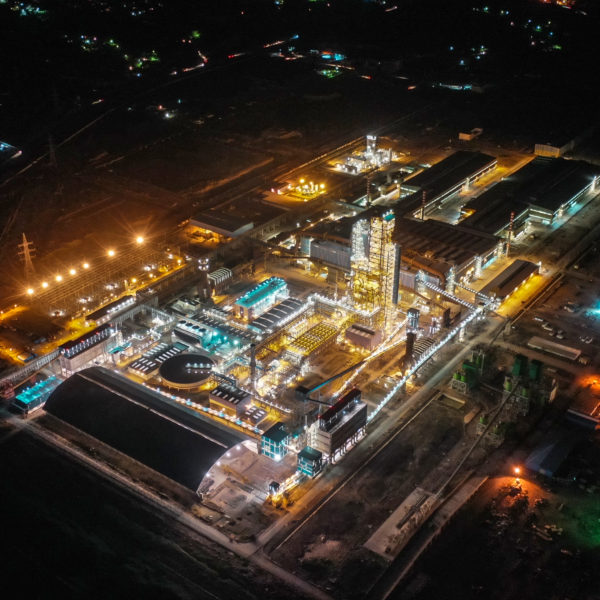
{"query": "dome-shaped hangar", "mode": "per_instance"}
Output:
(186, 371)
(170, 438)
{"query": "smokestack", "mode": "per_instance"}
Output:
(410, 349)
(253, 366)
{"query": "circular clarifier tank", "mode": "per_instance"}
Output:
(186, 371)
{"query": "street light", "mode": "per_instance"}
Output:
(139, 239)
(111, 252)
(72, 271)
(30, 291)
(58, 278)
(86, 265)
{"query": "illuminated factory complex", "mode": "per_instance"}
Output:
(263, 364)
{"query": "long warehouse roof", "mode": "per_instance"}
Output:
(440, 241)
(510, 278)
(548, 183)
(161, 434)
(450, 172)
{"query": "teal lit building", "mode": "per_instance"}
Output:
(260, 298)
(275, 441)
(34, 397)
(310, 461)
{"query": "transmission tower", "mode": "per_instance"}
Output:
(26, 253)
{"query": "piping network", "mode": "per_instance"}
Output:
(448, 295)
(466, 287)
(478, 311)
(375, 354)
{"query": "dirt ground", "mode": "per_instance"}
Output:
(68, 533)
(514, 540)
(357, 510)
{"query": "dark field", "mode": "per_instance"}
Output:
(67, 533)
(504, 547)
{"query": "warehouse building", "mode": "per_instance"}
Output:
(169, 438)
(445, 178)
(560, 350)
(32, 398)
(226, 225)
(340, 426)
(509, 280)
(220, 280)
(106, 313)
(149, 363)
(442, 251)
(540, 192)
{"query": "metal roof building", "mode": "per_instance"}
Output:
(447, 177)
(278, 315)
(436, 247)
(540, 191)
(223, 224)
(507, 282)
(169, 438)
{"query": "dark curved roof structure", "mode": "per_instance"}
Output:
(186, 370)
(166, 436)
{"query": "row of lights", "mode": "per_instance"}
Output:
(58, 278)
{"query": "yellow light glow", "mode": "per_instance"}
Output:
(86, 265)
(111, 252)
(72, 271)
(44, 284)
(133, 280)
(517, 470)
(58, 278)
(30, 291)
(139, 239)
(302, 181)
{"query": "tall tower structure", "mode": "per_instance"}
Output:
(375, 264)
(203, 284)
(253, 367)
(26, 253)
(384, 259)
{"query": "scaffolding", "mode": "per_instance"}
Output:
(376, 273)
